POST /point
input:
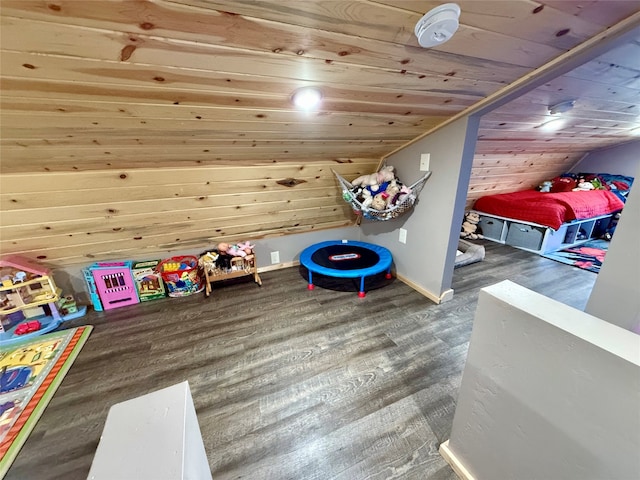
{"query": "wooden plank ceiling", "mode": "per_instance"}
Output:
(141, 126)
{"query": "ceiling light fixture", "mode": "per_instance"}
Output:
(561, 107)
(438, 25)
(307, 98)
(553, 125)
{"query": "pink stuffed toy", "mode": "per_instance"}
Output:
(246, 247)
(235, 251)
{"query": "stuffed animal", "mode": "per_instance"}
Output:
(235, 251)
(373, 180)
(367, 198)
(470, 228)
(584, 185)
(379, 202)
(208, 260)
(393, 190)
(405, 192)
(223, 260)
(246, 247)
(379, 187)
(545, 187)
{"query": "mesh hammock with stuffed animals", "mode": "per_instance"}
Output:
(405, 204)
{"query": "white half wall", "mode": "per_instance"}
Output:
(548, 392)
(152, 437)
(433, 226)
(616, 294)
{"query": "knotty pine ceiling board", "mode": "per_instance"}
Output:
(222, 61)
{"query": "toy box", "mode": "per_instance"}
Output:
(148, 280)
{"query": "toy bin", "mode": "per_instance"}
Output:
(181, 276)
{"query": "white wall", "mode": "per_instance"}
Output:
(622, 160)
(433, 226)
(616, 294)
(548, 392)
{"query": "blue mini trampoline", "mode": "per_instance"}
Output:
(346, 259)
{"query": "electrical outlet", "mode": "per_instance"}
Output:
(403, 236)
(275, 257)
(424, 162)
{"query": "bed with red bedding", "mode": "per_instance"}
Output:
(550, 209)
(543, 222)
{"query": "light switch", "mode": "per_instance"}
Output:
(424, 162)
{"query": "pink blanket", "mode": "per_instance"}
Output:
(550, 209)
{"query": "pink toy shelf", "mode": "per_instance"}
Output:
(114, 283)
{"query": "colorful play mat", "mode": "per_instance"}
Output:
(30, 373)
(587, 256)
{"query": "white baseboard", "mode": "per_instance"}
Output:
(445, 297)
(452, 460)
(278, 266)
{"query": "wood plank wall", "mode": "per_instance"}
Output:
(497, 172)
(66, 218)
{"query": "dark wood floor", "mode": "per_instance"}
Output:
(290, 383)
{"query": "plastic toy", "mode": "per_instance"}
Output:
(28, 300)
(28, 327)
(92, 289)
(180, 275)
(148, 281)
(114, 283)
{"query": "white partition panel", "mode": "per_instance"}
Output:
(548, 392)
(152, 437)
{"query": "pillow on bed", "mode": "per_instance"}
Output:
(563, 184)
(620, 182)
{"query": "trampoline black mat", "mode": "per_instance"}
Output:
(345, 257)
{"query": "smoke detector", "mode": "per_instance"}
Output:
(438, 25)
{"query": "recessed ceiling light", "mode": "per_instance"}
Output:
(307, 98)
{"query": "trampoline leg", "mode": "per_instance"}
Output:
(361, 293)
(388, 275)
(311, 285)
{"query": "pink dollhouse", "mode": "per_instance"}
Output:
(28, 297)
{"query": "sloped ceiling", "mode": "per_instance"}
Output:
(172, 81)
(159, 90)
